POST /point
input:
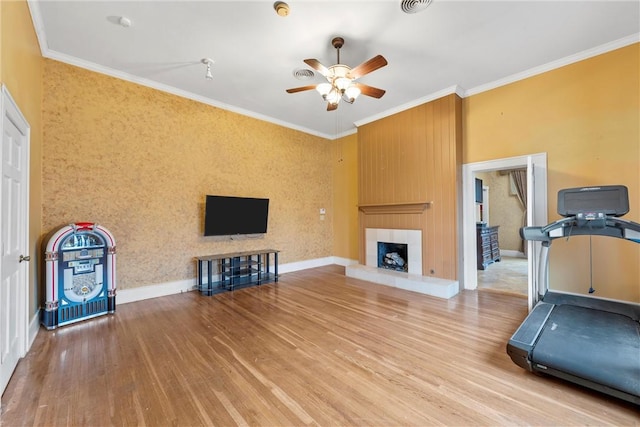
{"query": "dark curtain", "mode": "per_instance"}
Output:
(519, 178)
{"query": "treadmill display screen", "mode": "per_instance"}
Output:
(613, 200)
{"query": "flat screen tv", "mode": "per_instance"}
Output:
(478, 190)
(228, 216)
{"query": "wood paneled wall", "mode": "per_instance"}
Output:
(409, 167)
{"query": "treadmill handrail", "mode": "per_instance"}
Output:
(565, 227)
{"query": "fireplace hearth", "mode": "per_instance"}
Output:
(412, 278)
(393, 256)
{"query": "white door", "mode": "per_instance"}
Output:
(532, 248)
(14, 191)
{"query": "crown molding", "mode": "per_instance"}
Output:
(71, 60)
(423, 100)
(38, 24)
(580, 56)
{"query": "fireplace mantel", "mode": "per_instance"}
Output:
(395, 208)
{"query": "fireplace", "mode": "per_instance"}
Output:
(411, 279)
(393, 256)
(410, 240)
(406, 244)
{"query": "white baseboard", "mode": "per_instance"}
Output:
(345, 262)
(313, 263)
(34, 328)
(303, 265)
(124, 296)
(510, 253)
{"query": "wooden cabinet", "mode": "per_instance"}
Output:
(487, 245)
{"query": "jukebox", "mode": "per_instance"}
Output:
(80, 273)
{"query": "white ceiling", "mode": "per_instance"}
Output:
(462, 46)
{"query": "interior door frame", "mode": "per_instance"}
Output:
(10, 110)
(536, 165)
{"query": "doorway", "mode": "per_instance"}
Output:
(501, 215)
(14, 220)
(536, 166)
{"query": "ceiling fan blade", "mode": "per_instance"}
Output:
(301, 89)
(331, 107)
(370, 90)
(316, 65)
(367, 67)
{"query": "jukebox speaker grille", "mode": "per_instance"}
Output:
(81, 311)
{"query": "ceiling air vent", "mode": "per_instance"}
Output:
(413, 6)
(303, 74)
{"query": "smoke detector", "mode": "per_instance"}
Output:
(281, 8)
(413, 6)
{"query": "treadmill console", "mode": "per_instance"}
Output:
(593, 203)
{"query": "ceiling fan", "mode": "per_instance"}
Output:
(341, 79)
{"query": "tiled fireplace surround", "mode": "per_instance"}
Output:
(411, 281)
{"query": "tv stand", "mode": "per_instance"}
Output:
(236, 270)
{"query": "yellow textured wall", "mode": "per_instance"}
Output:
(140, 162)
(345, 197)
(586, 117)
(21, 72)
(505, 210)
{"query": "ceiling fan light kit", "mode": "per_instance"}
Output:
(341, 79)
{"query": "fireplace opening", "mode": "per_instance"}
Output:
(393, 256)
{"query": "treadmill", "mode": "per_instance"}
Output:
(589, 341)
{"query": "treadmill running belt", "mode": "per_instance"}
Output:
(595, 345)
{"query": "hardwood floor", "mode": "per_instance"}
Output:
(317, 348)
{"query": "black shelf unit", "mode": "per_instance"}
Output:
(236, 270)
